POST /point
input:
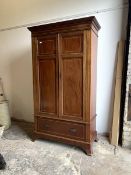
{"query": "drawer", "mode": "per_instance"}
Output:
(61, 128)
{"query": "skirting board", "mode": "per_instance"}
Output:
(20, 120)
(105, 134)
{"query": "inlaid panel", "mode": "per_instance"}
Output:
(72, 87)
(47, 85)
(72, 43)
(46, 46)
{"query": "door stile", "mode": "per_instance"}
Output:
(57, 75)
(84, 74)
(60, 101)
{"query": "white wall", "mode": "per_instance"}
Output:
(16, 71)
(15, 49)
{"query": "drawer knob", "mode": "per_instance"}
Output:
(73, 130)
(46, 126)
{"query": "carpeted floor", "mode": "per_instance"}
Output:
(41, 157)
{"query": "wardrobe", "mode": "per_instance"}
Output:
(64, 56)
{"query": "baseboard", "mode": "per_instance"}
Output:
(105, 134)
(21, 120)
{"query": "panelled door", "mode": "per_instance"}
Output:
(71, 75)
(47, 75)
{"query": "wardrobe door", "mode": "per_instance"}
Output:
(71, 75)
(47, 75)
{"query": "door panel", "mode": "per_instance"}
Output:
(72, 86)
(47, 78)
(72, 44)
(46, 46)
(71, 76)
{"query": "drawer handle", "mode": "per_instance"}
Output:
(46, 126)
(73, 130)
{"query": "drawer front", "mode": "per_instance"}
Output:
(61, 128)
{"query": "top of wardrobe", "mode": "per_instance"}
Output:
(81, 23)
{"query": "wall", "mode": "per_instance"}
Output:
(126, 137)
(15, 48)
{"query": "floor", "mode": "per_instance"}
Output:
(41, 157)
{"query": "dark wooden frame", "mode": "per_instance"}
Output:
(86, 125)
